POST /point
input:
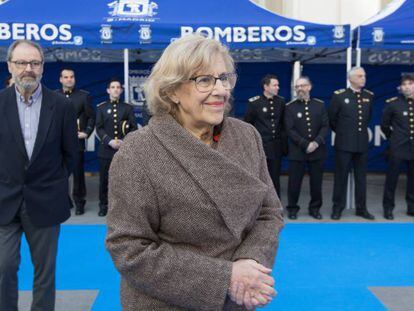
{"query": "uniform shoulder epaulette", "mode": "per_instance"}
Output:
(390, 100)
(293, 100)
(254, 98)
(368, 91)
(340, 91)
(100, 104)
(318, 100)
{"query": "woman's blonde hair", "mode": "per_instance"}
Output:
(180, 61)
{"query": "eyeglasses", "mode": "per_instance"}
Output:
(299, 86)
(206, 83)
(21, 64)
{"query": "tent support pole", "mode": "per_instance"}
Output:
(296, 73)
(126, 75)
(358, 57)
(350, 193)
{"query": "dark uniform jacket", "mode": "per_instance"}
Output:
(85, 114)
(306, 121)
(113, 121)
(349, 115)
(398, 126)
(266, 115)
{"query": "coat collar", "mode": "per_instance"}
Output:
(46, 113)
(12, 117)
(220, 173)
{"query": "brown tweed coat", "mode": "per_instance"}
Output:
(180, 212)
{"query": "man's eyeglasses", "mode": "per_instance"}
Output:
(206, 83)
(300, 86)
(21, 64)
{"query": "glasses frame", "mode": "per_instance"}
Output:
(22, 64)
(210, 88)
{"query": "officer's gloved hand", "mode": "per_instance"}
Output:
(312, 147)
(82, 135)
(114, 144)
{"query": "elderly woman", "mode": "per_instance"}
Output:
(193, 219)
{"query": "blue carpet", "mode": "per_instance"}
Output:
(319, 266)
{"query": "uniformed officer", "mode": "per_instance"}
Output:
(349, 114)
(398, 126)
(85, 113)
(307, 125)
(114, 119)
(265, 113)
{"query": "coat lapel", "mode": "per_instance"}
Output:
(46, 114)
(237, 194)
(12, 117)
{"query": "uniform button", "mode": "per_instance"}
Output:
(412, 132)
(273, 131)
(116, 132)
(359, 101)
(309, 124)
(115, 115)
(359, 129)
(309, 135)
(271, 108)
(309, 130)
(359, 123)
(67, 96)
(306, 107)
(307, 119)
(307, 113)
(272, 114)
(115, 126)
(360, 117)
(114, 110)
(273, 125)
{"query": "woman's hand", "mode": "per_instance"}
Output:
(251, 284)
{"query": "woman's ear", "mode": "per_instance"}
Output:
(173, 96)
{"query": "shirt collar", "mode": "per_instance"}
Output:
(69, 92)
(355, 91)
(33, 98)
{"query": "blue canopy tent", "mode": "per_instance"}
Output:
(390, 29)
(151, 25)
(148, 24)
